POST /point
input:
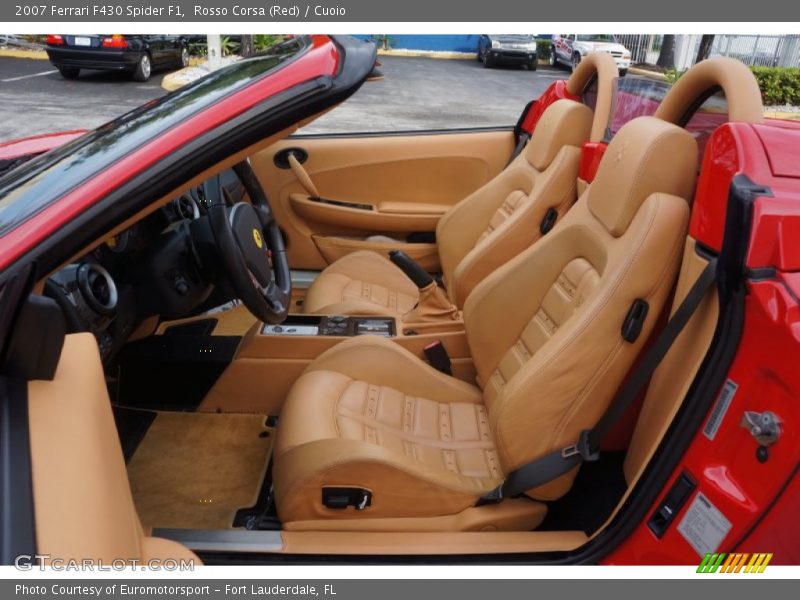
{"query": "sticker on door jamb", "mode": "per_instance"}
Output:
(703, 525)
(720, 408)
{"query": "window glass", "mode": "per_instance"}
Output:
(636, 97)
(424, 94)
(711, 114)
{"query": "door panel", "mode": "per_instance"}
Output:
(403, 182)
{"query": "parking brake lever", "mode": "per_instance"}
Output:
(413, 271)
(302, 176)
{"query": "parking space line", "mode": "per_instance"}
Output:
(43, 73)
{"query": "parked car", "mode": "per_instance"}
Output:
(505, 49)
(363, 416)
(139, 55)
(569, 49)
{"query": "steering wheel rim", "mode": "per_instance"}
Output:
(247, 236)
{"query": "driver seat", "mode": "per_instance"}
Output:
(545, 335)
(480, 233)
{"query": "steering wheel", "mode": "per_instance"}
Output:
(247, 236)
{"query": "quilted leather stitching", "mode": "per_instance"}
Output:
(458, 437)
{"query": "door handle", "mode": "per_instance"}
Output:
(302, 176)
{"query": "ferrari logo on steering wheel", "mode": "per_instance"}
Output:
(258, 239)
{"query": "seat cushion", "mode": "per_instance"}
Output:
(361, 283)
(370, 414)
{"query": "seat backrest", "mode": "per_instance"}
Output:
(502, 218)
(545, 329)
(83, 506)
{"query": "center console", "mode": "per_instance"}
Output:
(264, 361)
(337, 326)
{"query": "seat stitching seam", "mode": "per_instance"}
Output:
(437, 443)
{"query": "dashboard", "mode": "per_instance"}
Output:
(110, 290)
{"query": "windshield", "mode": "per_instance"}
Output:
(31, 187)
(599, 37)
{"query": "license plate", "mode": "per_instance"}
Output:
(83, 41)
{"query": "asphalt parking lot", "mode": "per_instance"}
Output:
(417, 93)
(35, 99)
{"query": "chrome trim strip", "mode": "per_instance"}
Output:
(224, 540)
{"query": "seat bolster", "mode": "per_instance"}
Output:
(327, 294)
(308, 413)
(400, 487)
(554, 188)
(460, 228)
(383, 362)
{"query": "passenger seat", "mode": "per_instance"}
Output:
(477, 235)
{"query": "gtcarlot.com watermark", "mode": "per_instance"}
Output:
(27, 562)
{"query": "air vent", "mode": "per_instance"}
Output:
(187, 208)
(97, 288)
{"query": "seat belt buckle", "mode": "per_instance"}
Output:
(582, 447)
(493, 497)
(438, 358)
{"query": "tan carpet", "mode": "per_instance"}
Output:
(195, 470)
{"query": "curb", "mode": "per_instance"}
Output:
(428, 54)
(170, 82)
(646, 73)
(436, 54)
(781, 116)
(13, 53)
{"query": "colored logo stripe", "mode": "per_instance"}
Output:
(734, 563)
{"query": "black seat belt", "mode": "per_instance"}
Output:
(551, 466)
(521, 137)
(522, 140)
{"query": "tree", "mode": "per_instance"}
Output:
(705, 48)
(247, 46)
(666, 58)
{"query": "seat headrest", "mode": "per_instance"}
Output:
(563, 123)
(646, 156)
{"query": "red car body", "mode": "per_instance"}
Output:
(36, 144)
(761, 499)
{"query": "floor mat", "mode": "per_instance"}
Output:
(195, 470)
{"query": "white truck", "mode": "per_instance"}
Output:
(569, 49)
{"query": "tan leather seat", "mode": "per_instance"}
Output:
(477, 235)
(545, 335)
